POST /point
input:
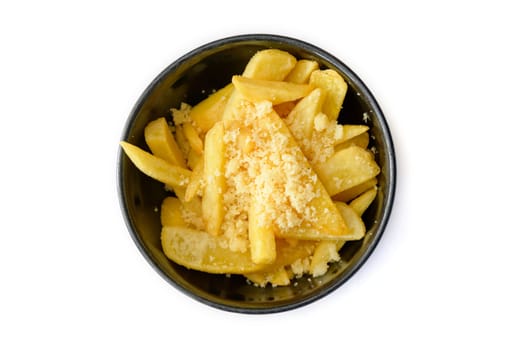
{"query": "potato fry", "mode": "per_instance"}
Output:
(300, 74)
(301, 118)
(347, 168)
(210, 110)
(350, 131)
(354, 191)
(193, 137)
(193, 159)
(330, 225)
(278, 277)
(360, 140)
(361, 203)
(161, 142)
(270, 64)
(335, 88)
(325, 252)
(212, 198)
(353, 221)
(260, 234)
(256, 90)
(196, 179)
(171, 212)
(182, 141)
(297, 181)
(202, 251)
(155, 167)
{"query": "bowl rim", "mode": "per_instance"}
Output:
(365, 94)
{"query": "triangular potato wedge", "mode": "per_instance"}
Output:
(348, 167)
(161, 142)
(270, 64)
(202, 251)
(209, 111)
(304, 210)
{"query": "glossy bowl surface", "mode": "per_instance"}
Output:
(190, 79)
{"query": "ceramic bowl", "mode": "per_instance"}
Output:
(190, 79)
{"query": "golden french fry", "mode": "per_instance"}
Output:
(257, 90)
(196, 179)
(350, 131)
(209, 111)
(325, 252)
(260, 234)
(193, 137)
(182, 141)
(329, 224)
(171, 212)
(270, 64)
(348, 167)
(300, 74)
(360, 140)
(354, 191)
(278, 277)
(301, 118)
(361, 203)
(199, 250)
(355, 224)
(212, 197)
(155, 167)
(161, 142)
(335, 88)
(193, 159)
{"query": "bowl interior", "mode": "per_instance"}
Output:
(190, 79)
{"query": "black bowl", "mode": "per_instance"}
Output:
(190, 79)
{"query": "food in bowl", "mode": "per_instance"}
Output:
(261, 179)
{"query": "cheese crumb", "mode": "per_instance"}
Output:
(181, 115)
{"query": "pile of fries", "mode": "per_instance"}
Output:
(261, 178)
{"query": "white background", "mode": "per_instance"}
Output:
(449, 271)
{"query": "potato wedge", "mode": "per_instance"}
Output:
(270, 64)
(353, 221)
(171, 212)
(329, 224)
(361, 203)
(360, 140)
(300, 74)
(335, 87)
(215, 183)
(347, 168)
(202, 251)
(350, 131)
(325, 252)
(301, 118)
(257, 90)
(193, 138)
(196, 179)
(210, 110)
(354, 191)
(155, 167)
(161, 142)
(260, 235)
(278, 277)
(182, 141)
